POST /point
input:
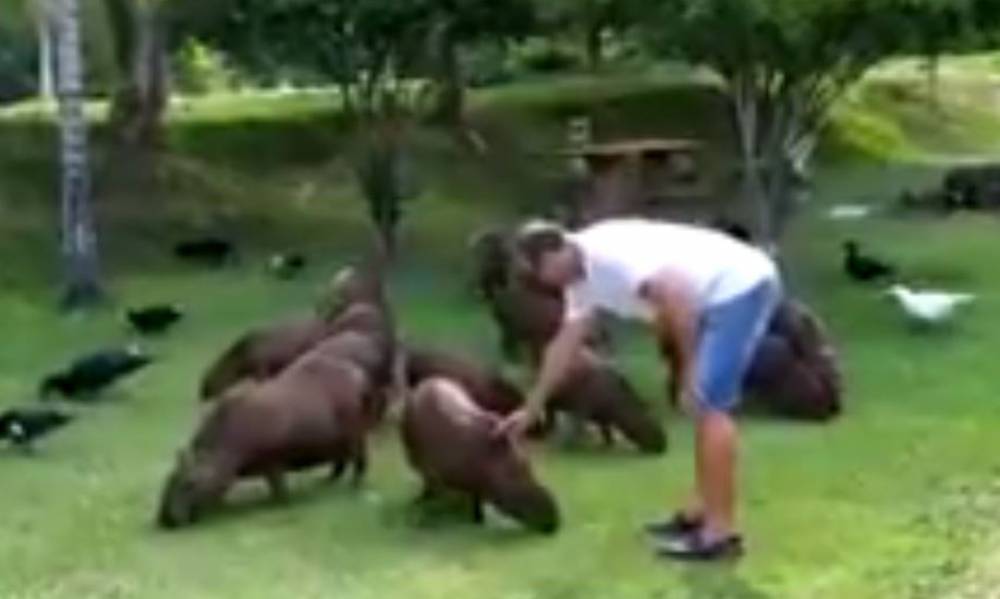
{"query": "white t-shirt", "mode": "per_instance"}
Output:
(620, 255)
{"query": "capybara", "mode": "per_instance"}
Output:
(488, 388)
(595, 391)
(795, 372)
(310, 414)
(527, 313)
(352, 285)
(452, 443)
(365, 352)
(263, 353)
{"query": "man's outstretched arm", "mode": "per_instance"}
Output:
(556, 362)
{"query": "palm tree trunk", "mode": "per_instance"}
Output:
(46, 60)
(79, 238)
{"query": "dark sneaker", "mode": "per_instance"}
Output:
(697, 548)
(678, 525)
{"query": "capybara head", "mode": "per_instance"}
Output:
(492, 260)
(639, 426)
(633, 417)
(515, 492)
(190, 488)
(349, 286)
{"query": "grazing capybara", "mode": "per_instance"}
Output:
(452, 443)
(795, 372)
(263, 353)
(595, 391)
(311, 414)
(488, 388)
(365, 352)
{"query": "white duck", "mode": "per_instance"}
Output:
(929, 307)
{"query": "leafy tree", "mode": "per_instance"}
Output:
(593, 20)
(372, 49)
(783, 64)
(459, 23)
(139, 31)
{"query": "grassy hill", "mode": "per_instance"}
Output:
(898, 499)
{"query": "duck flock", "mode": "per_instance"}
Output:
(306, 393)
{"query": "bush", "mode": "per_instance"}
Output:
(546, 56)
(201, 70)
(486, 64)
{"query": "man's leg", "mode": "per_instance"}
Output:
(716, 457)
(731, 333)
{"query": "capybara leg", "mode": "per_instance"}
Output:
(577, 431)
(607, 434)
(477, 510)
(359, 463)
(337, 469)
(427, 494)
(276, 481)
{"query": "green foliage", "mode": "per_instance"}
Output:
(545, 55)
(366, 46)
(199, 69)
(483, 20)
(17, 64)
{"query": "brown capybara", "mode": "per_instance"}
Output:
(795, 371)
(452, 443)
(364, 284)
(310, 414)
(263, 353)
(595, 391)
(527, 313)
(488, 388)
(364, 351)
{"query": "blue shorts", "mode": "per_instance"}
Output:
(728, 336)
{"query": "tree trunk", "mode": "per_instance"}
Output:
(450, 107)
(138, 107)
(46, 58)
(933, 67)
(595, 46)
(79, 237)
(747, 107)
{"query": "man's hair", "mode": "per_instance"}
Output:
(537, 238)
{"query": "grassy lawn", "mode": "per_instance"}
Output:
(900, 498)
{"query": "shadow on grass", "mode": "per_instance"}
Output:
(718, 581)
(445, 522)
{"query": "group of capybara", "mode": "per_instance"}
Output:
(306, 393)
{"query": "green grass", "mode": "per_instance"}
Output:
(898, 499)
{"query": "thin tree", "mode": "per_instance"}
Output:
(79, 237)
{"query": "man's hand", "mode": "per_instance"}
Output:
(516, 425)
